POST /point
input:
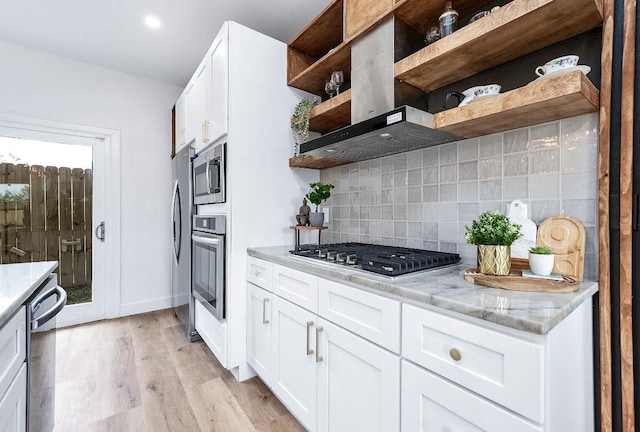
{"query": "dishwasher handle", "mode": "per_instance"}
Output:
(45, 317)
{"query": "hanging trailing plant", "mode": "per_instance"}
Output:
(300, 118)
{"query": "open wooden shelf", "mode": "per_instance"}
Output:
(421, 15)
(516, 29)
(309, 74)
(566, 95)
(332, 113)
(315, 162)
(323, 33)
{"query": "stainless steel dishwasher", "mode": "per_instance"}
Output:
(42, 308)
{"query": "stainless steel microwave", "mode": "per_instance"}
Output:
(209, 175)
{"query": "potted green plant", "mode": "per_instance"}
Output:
(541, 260)
(300, 120)
(493, 233)
(318, 194)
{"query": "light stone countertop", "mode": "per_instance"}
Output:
(446, 288)
(18, 282)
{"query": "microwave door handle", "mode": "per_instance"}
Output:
(217, 187)
(208, 175)
(204, 240)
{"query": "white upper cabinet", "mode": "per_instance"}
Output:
(212, 78)
(181, 122)
(191, 102)
(219, 58)
(203, 124)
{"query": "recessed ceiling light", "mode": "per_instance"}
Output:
(152, 22)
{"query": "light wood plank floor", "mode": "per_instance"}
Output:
(140, 373)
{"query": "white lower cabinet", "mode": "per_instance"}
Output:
(344, 360)
(431, 403)
(358, 383)
(259, 331)
(331, 379)
(212, 332)
(13, 404)
(295, 376)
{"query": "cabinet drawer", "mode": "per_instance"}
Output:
(259, 272)
(371, 316)
(431, 403)
(213, 332)
(296, 286)
(504, 369)
(13, 348)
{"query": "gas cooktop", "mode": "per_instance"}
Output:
(386, 260)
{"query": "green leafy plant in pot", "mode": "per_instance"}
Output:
(541, 260)
(318, 194)
(493, 233)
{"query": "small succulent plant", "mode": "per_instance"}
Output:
(541, 250)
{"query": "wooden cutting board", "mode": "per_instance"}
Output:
(566, 238)
(515, 282)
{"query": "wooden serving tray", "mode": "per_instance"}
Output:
(515, 282)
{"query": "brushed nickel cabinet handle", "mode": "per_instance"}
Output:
(309, 350)
(319, 358)
(455, 354)
(264, 311)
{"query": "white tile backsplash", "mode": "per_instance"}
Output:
(448, 153)
(424, 198)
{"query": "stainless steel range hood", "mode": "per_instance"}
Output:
(400, 130)
(387, 116)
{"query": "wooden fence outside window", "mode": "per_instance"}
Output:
(45, 215)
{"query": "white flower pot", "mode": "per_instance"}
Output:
(541, 264)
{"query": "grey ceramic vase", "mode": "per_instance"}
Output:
(316, 218)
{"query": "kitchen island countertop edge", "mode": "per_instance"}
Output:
(18, 282)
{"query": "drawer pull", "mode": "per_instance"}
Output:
(264, 311)
(319, 358)
(455, 354)
(309, 350)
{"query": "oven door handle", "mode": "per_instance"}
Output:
(205, 240)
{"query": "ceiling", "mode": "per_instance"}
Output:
(112, 33)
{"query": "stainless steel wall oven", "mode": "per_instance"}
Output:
(208, 262)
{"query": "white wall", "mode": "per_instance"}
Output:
(37, 84)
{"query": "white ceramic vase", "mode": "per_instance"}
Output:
(541, 264)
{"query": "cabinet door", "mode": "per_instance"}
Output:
(13, 348)
(13, 404)
(432, 404)
(259, 329)
(358, 384)
(295, 374)
(191, 101)
(219, 84)
(203, 124)
(181, 122)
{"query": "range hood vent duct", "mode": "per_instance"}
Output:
(388, 116)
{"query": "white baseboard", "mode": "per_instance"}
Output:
(145, 306)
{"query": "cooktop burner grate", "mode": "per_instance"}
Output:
(386, 260)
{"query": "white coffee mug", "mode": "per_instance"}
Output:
(557, 64)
